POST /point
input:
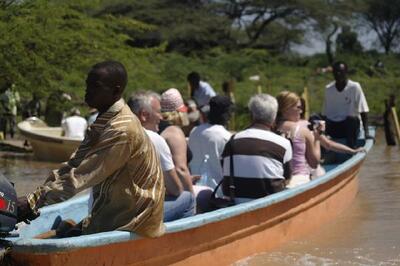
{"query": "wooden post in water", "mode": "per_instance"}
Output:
(259, 89)
(304, 95)
(396, 123)
(228, 89)
(231, 90)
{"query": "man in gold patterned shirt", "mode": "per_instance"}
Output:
(116, 160)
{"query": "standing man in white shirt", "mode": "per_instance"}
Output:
(75, 125)
(344, 104)
(201, 91)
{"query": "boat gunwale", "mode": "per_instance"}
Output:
(105, 238)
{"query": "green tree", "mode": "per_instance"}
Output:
(347, 41)
(186, 25)
(383, 17)
(326, 17)
(264, 24)
(46, 45)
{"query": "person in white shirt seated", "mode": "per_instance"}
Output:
(209, 139)
(179, 203)
(344, 105)
(75, 125)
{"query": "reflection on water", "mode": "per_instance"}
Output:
(24, 171)
(368, 233)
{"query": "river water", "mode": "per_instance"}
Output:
(367, 233)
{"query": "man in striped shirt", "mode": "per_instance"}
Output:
(116, 159)
(260, 157)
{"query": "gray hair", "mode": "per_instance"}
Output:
(263, 108)
(141, 100)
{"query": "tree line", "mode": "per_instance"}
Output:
(48, 44)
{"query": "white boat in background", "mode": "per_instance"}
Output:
(47, 143)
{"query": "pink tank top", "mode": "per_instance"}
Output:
(299, 163)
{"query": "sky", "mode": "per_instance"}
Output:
(315, 45)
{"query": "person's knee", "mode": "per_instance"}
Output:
(203, 200)
(352, 121)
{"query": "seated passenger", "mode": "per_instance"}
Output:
(305, 143)
(75, 125)
(209, 139)
(344, 104)
(261, 158)
(174, 114)
(116, 159)
(178, 203)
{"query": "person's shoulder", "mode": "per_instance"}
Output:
(280, 139)
(219, 131)
(80, 118)
(206, 86)
(204, 83)
(173, 132)
(197, 130)
(330, 85)
(354, 84)
(155, 138)
(124, 122)
(152, 135)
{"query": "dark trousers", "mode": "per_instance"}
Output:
(10, 122)
(348, 129)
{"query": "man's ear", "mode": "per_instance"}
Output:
(118, 90)
(143, 116)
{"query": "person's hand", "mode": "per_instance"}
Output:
(195, 178)
(24, 211)
(360, 149)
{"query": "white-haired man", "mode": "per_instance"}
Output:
(178, 203)
(260, 157)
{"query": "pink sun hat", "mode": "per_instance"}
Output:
(171, 100)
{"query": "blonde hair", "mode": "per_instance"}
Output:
(286, 100)
(176, 118)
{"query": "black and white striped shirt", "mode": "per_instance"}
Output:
(259, 155)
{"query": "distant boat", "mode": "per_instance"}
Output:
(219, 237)
(47, 143)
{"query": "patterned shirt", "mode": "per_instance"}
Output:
(117, 160)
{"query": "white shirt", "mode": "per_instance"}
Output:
(74, 127)
(203, 94)
(340, 104)
(208, 139)
(162, 149)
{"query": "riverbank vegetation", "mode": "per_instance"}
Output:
(49, 45)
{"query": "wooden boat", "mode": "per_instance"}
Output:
(215, 238)
(47, 142)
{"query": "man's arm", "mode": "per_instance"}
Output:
(99, 164)
(173, 184)
(177, 143)
(287, 171)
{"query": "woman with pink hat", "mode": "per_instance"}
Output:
(174, 113)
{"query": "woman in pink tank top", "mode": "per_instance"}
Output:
(305, 143)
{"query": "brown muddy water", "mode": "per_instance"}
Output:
(367, 233)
